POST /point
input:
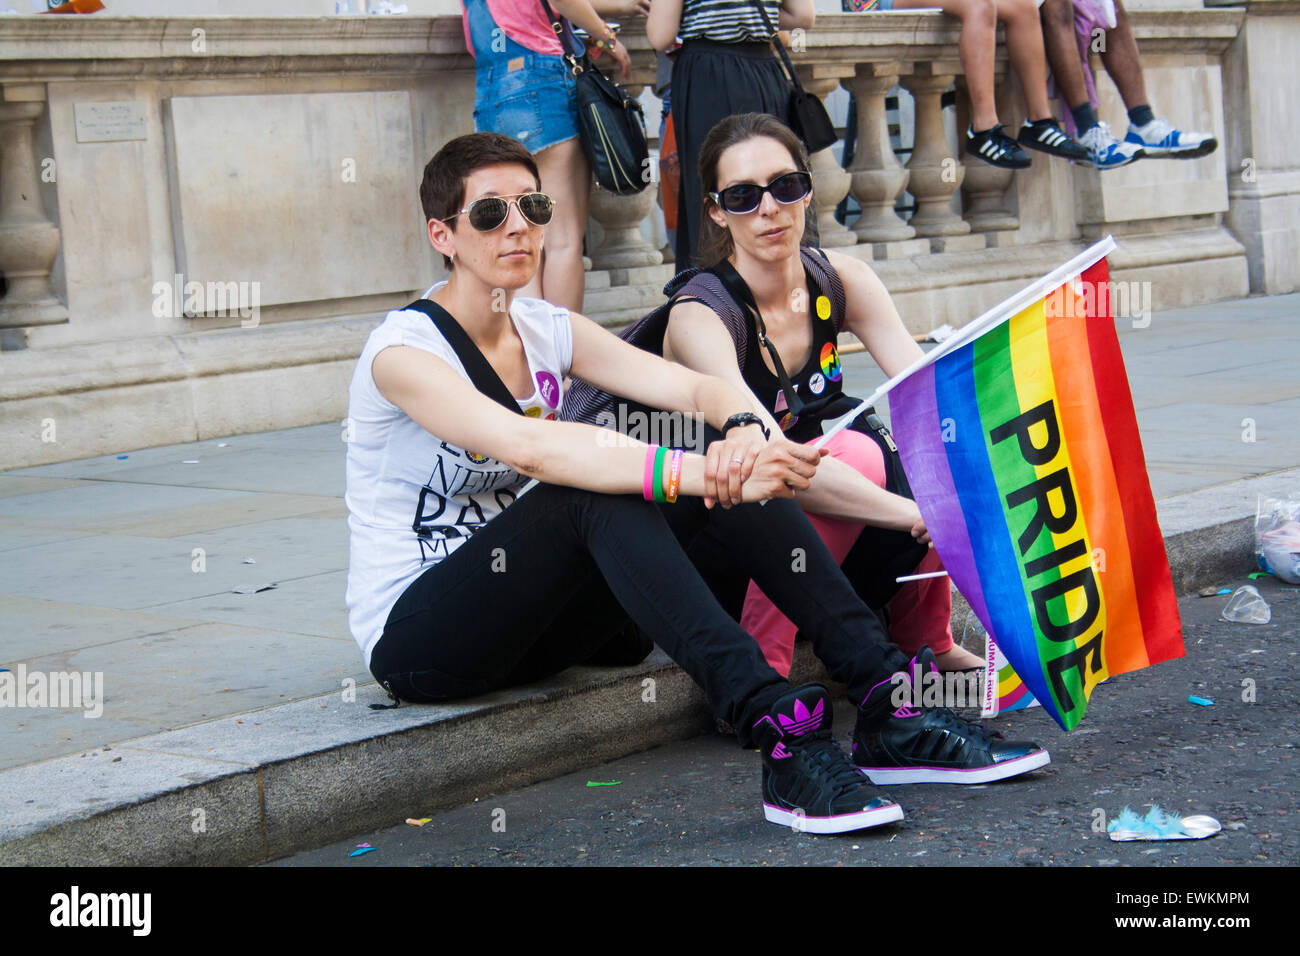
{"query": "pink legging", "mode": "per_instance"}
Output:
(920, 613)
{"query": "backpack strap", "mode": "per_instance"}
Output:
(818, 265)
(481, 373)
(707, 288)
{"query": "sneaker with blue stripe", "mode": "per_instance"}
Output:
(1105, 151)
(1159, 139)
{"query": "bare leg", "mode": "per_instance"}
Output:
(976, 47)
(1025, 49)
(1122, 63)
(1063, 50)
(567, 180)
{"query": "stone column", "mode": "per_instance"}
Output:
(935, 172)
(830, 181)
(877, 177)
(1262, 141)
(984, 185)
(28, 240)
(623, 246)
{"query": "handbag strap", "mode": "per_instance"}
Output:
(558, 26)
(776, 41)
(481, 374)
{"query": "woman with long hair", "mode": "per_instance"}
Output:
(765, 316)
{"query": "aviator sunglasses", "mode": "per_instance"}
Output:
(746, 197)
(490, 212)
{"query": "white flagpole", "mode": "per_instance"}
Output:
(978, 326)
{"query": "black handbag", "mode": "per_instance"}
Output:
(611, 124)
(806, 114)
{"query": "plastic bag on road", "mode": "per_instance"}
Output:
(1247, 606)
(1277, 537)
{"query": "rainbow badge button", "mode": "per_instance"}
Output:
(830, 362)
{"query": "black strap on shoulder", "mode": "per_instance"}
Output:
(483, 375)
(739, 291)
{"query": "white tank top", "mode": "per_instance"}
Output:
(412, 498)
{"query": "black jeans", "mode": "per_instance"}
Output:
(547, 582)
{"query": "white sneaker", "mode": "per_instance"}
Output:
(1158, 138)
(1105, 151)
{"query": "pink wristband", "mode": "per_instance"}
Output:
(647, 486)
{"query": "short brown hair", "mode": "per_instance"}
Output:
(442, 191)
(715, 242)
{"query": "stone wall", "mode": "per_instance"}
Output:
(270, 167)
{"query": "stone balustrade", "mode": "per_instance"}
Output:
(199, 218)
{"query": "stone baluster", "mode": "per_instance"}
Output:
(936, 174)
(29, 242)
(985, 186)
(622, 245)
(830, 181)
(877, 177)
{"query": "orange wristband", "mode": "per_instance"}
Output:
(674, 476)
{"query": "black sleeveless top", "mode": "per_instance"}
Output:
(817, 384)
(723, 291)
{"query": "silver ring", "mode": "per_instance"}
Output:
(738, 461)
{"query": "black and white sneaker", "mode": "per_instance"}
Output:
(907, 744)
(809, 783)
(996, 147)
(1045, 136)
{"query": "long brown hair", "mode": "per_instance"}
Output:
(715, 242)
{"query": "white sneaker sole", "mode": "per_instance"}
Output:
(890, 813)
(887, 776)
(1180, 152)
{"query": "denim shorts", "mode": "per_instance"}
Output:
(536, 102)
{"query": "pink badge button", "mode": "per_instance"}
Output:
(549, 387)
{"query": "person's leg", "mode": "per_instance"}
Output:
(1024, 35)
(1063, 51)
(774, 632)
(777, 547)
(471, 622)
(1120, 57)
(977, 48)
(566, 178)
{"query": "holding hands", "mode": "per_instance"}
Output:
(738, 471)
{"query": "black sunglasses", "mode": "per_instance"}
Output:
(490, 212)
(746, 197)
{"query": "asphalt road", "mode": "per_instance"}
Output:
(1142, 741)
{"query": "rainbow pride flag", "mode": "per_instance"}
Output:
(1003, 688)
(1022, 449)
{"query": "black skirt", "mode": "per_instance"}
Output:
(712, 81)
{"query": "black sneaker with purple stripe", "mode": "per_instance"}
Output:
(809, 783)
(906, 744)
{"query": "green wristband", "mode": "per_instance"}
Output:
(660, 454)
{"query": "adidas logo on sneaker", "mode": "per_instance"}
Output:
(809, 783)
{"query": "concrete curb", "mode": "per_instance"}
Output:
(302, 774)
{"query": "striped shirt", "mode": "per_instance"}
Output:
(727, 21)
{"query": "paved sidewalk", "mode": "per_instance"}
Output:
(124, 565)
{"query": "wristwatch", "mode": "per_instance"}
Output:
(746, 418)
